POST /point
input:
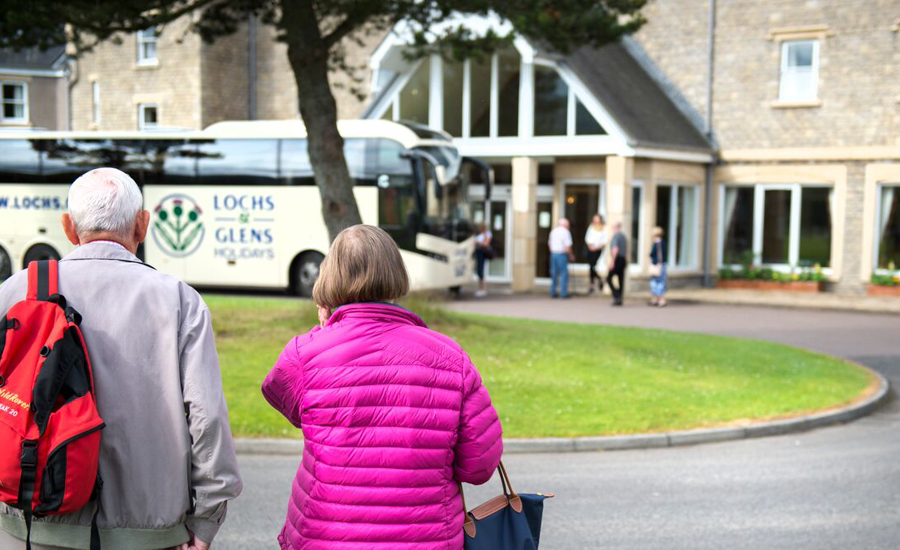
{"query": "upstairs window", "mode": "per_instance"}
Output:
(148, 116)
(146, 46)
(799, 70)
(15, 102)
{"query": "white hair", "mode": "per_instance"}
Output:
(104, 200)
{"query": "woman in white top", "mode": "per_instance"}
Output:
(595, 241)
(483, 252)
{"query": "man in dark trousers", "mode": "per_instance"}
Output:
(618, 255)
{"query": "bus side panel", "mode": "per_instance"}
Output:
(29, 215)
(304, 227)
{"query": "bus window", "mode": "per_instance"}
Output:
(238, 162)
(446, 206)
(295, 166)
(19, 161)
(170, 162)
(65, 160)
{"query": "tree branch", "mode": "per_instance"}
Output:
(348, 25)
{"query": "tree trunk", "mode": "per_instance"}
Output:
(308, 56)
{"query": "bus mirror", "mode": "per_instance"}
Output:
(441, 173)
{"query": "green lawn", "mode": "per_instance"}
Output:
(559, 379)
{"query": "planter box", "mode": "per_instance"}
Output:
(883, 290)
(793, 286)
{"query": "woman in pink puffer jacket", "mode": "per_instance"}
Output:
(393, 414)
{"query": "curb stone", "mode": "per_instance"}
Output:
(636, 441)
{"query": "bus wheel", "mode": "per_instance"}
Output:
(40, 252)
(305, 272)
(5, 265)
(455, 292)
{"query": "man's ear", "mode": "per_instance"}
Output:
(69, 229)
(141, 226)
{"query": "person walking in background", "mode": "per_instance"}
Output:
(483, 253)
(560, 243)
(658, 278)
(167, 459)
(393, 414)
(618, 255)
(595, 241)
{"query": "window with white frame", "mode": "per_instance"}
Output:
(799, 70)
(95, 102)
(148, 116)
(677, 213)
(146, 46)
(777, 225)
(15, 102)
(887, 232)
(480, 98)
(637, 195)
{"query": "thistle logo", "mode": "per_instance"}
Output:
(176, 225)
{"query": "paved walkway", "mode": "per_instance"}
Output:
(836, 487)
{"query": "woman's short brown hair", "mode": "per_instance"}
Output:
(363, 265)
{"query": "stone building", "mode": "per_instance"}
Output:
(750, 130)
(34, 90)
(793, 165)
(170, 78)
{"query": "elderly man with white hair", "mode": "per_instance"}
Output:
(167, 457)
(560, 244)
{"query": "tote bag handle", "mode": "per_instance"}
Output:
(512, 500)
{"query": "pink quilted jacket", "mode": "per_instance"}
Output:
(392, 414)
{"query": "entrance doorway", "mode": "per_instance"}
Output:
(581, 200)
(495, 215)
(544, 225)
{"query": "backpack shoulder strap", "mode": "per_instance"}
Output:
(43, 278)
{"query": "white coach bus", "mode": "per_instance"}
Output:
(235, 205)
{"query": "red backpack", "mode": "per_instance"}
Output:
(49, 424)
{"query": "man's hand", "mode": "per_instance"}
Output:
(193, 544)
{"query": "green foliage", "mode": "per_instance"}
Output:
(891, 277)
(560, 379)
(748, 271)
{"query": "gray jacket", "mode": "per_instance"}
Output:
(166, 455)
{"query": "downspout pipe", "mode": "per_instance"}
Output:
(708, 130)
(251, 68)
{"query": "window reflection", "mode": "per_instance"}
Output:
(414, 97)
(551, 100)
(508, 62)
(480, 97)
(453, 94)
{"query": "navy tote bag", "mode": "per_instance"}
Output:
(510, 521)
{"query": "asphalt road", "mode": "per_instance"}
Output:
(836, 487)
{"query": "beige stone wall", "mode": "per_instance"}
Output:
(225, 78)
(276, 89)
(675, 37)
(859, 75)
(173, 84)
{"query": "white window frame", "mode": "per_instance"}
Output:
(141, 41)
(759, 191)
(784, 71)
(142, 107)
(670, 232)
(877, 232)
(526, 112)
(95, 102)
(25, 110)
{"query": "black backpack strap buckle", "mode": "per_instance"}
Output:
(29, 454)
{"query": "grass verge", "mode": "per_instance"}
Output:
(558, 379)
